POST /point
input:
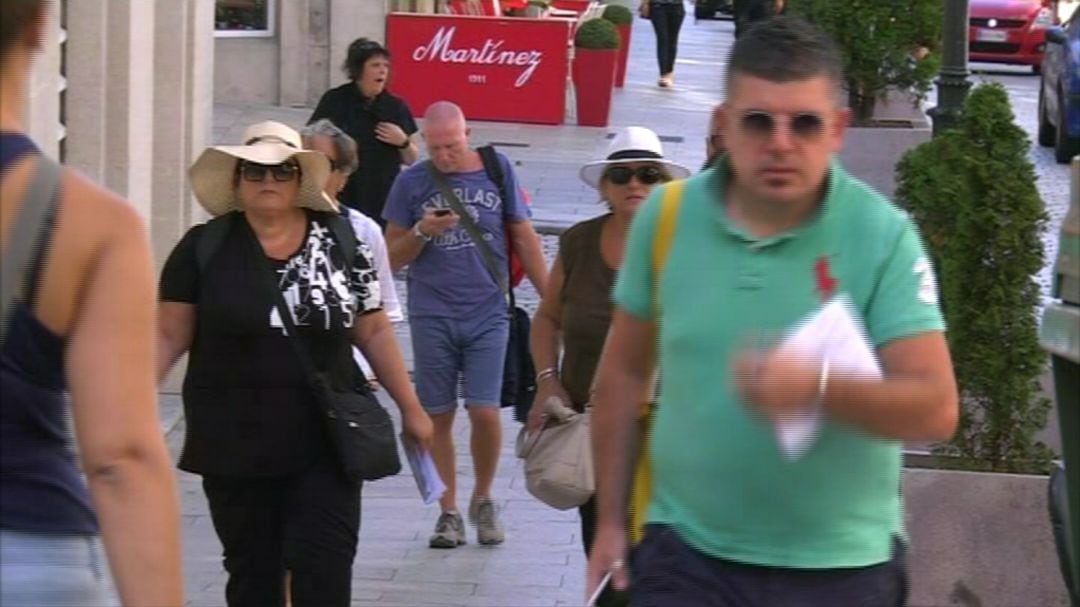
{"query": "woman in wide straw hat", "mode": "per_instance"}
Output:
(575, 312)
(277, 497)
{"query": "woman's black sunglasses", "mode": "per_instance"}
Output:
(253, 171)
(805, 125)
(648, 175)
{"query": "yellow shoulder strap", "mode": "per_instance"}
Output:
(665, 229)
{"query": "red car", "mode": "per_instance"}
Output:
(1010, 31)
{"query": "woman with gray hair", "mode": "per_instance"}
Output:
(325, 136)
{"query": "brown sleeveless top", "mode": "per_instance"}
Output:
(586, 306)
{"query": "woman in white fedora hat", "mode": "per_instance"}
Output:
(277, 497)
(575, 312)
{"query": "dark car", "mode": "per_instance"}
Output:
(1059, 91)
(708, 9)
(1010, 31)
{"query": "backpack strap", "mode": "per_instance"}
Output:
(27, 238)
(665, 232)
(213, 234)
(494, 171)
(345, 237)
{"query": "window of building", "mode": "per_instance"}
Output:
(244, 18)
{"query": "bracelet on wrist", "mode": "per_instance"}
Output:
(417, 232)
(545, 374)
(823, 382)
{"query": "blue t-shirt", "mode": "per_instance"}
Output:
(449, 279)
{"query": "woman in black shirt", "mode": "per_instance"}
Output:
(381, 124)
(277, 497)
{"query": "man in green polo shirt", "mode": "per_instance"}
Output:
(762, 241)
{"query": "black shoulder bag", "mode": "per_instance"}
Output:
(519, 372)
(361, 431)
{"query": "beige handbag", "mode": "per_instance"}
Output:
(558, 457)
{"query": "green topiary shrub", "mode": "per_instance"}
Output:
(618, 14)
(597, 34)
(882, 44)
(972, 192)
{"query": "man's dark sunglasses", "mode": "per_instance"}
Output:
(805, 125)
(648, 175)
(253, 171)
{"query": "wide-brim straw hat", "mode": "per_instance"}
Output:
(632, 144)
(213, 176)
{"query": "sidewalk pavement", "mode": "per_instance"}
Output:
(541, 563)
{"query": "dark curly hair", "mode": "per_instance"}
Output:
(360, 51)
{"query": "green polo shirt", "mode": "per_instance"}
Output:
(719, 478)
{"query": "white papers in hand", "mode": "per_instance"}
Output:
(427, 476)
(833, 332)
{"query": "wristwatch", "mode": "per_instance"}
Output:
(420, 234)
(405, 145)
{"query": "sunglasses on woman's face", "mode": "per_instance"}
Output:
(804, 125)
(253, 171)
(648, 175)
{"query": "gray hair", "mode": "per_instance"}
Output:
(348, 159)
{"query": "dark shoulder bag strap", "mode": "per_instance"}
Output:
(212, 236)
(470, 226)
(25, 237)
(494, 171)
(345, 238)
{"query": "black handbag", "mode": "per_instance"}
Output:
(519, 372)
(360, 430)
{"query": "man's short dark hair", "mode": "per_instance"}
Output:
(785, 49)
(358, 54)
(15, 17)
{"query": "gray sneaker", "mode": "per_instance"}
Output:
(449, 531)
(484, 514)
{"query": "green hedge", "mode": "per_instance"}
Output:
(878, 39)
(618, 14)
(972, 192)
(597, 34)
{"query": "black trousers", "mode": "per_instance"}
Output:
(666, 21)
(306, 523)
(609, 597)
(667, 571)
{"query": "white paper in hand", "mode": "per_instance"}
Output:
(834, 332)
(427, 476)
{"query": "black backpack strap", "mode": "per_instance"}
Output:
(344, 236)
(213, 234)
(494, 171)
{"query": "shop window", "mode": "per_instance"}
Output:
(244, 18)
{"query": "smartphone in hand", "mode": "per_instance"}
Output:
(442, 212)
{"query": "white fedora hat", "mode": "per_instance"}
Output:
(632, 144)
(213, 176)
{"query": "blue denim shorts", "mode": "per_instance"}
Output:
(455, 357)
(54, 570)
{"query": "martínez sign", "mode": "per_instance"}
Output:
(510, 70)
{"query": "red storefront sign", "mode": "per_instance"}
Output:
(504, 69)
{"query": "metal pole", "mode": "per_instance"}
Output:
(952, 83)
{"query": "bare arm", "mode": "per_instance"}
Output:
(110, 365)
(411, 153)
(374, 335)
(527, 244)
(916, 400)
(404, 245)
(545, 341)
(625, 373)
(176, 329)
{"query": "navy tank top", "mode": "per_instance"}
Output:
(41, 487)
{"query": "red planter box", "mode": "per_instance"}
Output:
(624, 55)
(594, 81)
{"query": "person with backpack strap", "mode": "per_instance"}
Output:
(447, 221)
(76, 355)
(774, 233)
(269, 298)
